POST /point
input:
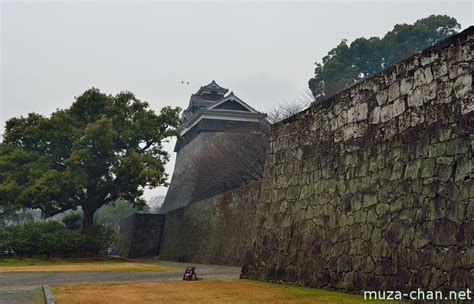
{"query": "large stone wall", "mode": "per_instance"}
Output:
(214, 231)
(374, 188)
(139, 235)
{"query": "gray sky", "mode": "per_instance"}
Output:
(263, 51)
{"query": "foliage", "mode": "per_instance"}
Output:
(98, 238)
(52, 238)
(12, 216)
(100, 149)
(116, 211)
(35, 238)
(4, 242)
(346, 64)
(70, 241)
(73, 221)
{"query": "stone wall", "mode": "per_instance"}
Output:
(374, 188)
(213, 231)
(139, 235)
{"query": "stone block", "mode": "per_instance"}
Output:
(444, 92)
(382, 209)
(428, 75)
(436, 150)
(398, 107)
(381, 97)
(467, 103)
(419, 78)
(463, 85)
(412, 169)
(395, 232)
(417, 116)
(445, 232)
(386, 113)
(390, 76)
(422, 237)
(369, 200)
(458, 69)
(430, 90)
(406, 84)
(416, 98)
(394, 91)
(427, 167)
(440, 68)
(375, 116)
(466, 53)
(455, 212)
(464, 169)
(397, 171)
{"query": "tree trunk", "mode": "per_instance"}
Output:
(88, 218)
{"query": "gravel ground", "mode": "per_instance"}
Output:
(22, 287)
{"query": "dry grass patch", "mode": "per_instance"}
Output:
(80, 265)
(209, 292)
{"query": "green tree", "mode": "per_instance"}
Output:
(73, 220)
(116, 211)
(100, 238)
(4, 242)
(100, 149)
(346, 64)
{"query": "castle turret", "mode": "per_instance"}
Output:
(212, 120)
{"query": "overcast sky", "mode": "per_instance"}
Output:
(263, 51)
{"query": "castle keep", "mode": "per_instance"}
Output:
(211, 118)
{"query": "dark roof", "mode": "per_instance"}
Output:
(212, 86)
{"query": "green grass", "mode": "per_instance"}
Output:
(40, 299)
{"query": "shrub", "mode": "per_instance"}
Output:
(49, 238)
(4, 242)
(70, 241)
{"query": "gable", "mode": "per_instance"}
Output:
(231, 105)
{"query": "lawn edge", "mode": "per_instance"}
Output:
(48, 295)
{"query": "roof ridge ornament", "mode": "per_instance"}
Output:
(213, 86)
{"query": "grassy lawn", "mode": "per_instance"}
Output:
(212, 292)
(78, 265)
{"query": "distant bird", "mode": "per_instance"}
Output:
(182, 82)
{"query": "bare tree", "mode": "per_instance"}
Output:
(290, 108)
(234, 159)
(231, 161)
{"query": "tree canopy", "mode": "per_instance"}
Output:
(345, 64)
(101, 149)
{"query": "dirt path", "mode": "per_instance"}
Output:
(21, 287)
